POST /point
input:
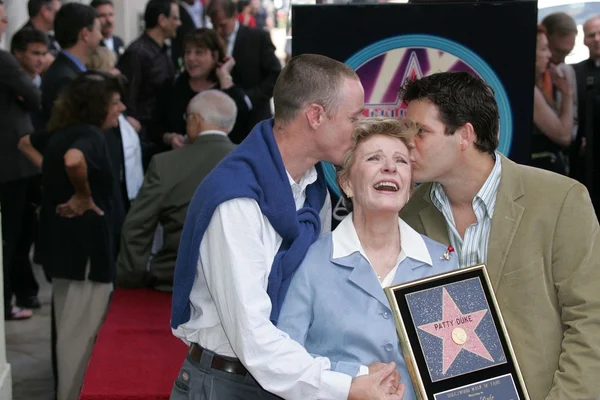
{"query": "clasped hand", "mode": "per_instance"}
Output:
(77, 206)
(382, 383)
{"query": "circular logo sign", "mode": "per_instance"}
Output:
(385, 66)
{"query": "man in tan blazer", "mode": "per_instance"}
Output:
(536, 232)
(169, 185)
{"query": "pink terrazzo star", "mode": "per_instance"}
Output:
(457, 331)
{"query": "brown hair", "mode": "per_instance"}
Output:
(85, 101)
(402, 129)
(208, 39)
(306, 79)
(559, 23)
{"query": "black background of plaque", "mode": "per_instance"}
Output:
(466, 379)
(502, 33)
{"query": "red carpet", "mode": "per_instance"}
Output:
(135, 356)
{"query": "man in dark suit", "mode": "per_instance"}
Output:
(146, 63)
(18, 98)
(256, 66)
(188, 24)
(169, 185)
(106, 15)
(29, 46)
(77, 30)
(41, 17)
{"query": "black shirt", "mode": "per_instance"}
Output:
(71, 242)
(147, 66)
(171, 106)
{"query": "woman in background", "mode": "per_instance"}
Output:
(553, 129)
(206, 67)
(124, 140)
(78, 200)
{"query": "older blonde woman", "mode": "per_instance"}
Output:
(336, 306)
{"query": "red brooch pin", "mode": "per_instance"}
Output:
(446, 255)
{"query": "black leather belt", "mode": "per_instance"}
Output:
(221, 363)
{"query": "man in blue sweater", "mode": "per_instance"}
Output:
(248, 227)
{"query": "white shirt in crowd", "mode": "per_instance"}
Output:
(236, 253)
(109, 43)
(132, 157)
(196, 11)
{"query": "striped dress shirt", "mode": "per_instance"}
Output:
(472, 249)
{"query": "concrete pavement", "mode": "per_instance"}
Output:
(28, 350)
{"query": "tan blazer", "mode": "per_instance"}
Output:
(544, 264)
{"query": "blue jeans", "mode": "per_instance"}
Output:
(199, 381)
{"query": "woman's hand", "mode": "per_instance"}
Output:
(223, 72)
(226, 66)
(77, 206)
(560, 81)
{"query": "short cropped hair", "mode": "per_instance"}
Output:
(228, 7)
(215, 107)
(460, 98)
(98, 3)
(85, 100)
(402, 129)
(70, 20)
(306, 79)
(26, 36)
(559, 23)
(154, 9)
(35, 6)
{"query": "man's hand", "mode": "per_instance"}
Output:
(135, 124)
(382, 383)
(174, 140)
(77, 206)
(392, 381)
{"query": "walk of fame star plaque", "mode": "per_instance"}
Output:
(454, 340)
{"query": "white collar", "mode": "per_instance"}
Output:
(37, 81)
(187, 7)
(345, 241)
(309, 177)
(236, 28)
(212, 132)
(232, 38)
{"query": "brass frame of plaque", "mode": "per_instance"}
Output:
(454, 340)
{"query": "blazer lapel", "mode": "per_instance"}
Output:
(506, 219)
(363, 276)
(239, 44)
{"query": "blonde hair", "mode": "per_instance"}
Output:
(402, 129)
(102, 59)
